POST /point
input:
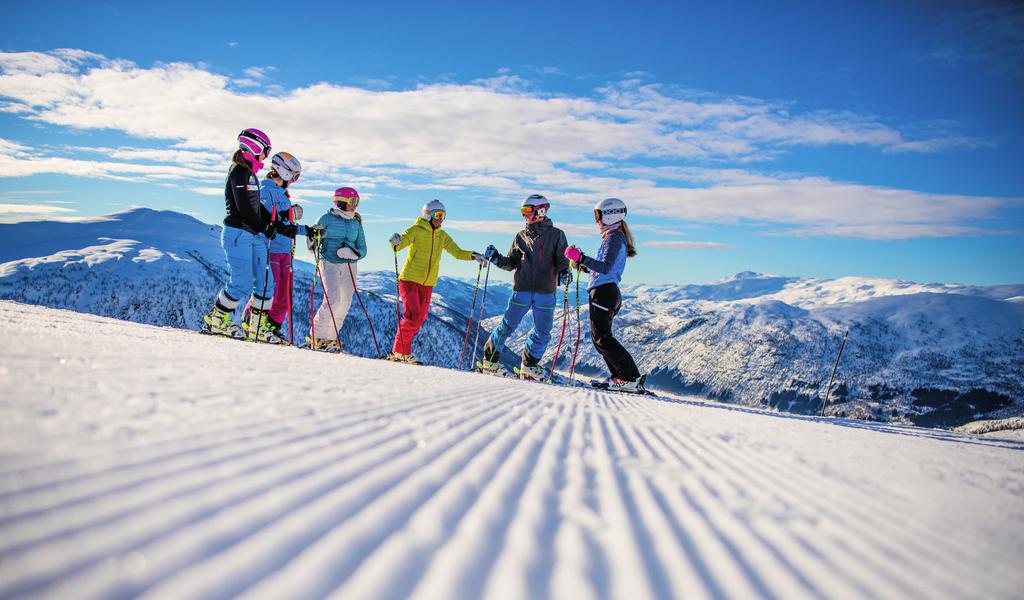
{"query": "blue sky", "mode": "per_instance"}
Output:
(859, 139)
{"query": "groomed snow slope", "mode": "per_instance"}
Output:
(134, 462)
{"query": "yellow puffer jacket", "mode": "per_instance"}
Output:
(425, 245)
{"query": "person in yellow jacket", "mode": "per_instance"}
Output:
(425, 240)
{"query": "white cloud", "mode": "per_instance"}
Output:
(16, 213)
(40, 209)
(497, 135)
(511, 228)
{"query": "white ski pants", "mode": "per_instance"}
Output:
(338, 289)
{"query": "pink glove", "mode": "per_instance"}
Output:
(573, 253)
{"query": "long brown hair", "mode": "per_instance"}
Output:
(238, 159)
(630, 244)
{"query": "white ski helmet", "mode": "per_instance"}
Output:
(430, 210)
(610, 210)
(537, 204)
(287, 166)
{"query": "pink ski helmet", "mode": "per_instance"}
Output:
(254, 141)
(346, 195)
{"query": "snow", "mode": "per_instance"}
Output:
(145, 461)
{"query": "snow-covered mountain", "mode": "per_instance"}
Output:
(934, 354)
(164, 268)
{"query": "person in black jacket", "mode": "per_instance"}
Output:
(244, 247)
(537, 258)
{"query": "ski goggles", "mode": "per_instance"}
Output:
(437, 215)
(350, 200)
(540, 210)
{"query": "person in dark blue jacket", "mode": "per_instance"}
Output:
(605, 300)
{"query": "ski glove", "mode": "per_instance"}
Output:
(270, 230)
(312, 230)
(492, 254)
(287, 230)
(347, 253)
(573, 253)
(296, 212)
(395, 240)
(565, 277)
(480, 259)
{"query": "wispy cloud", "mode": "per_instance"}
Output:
(14, 213)
(989, 35)
(493, 137)
(687, 245)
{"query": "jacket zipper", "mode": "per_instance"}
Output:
(427, 276)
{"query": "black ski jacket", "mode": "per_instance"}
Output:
(537, 256)
(242, 201)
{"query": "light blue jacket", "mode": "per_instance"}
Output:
(274, 196)
(610, 262)
(339, 232)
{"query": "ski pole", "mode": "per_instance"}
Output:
(472, 309)
(312, 293)
(398, 297)
(834, 367)
(480, 321)
(572, 367)
(291, 285)
(266, 279)
(337, 334)
(355, 289)
(565, 317)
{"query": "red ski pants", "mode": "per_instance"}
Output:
(416, 305)
(279, 263)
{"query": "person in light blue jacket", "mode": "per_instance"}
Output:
(285, 170)
(341, 245)
(606, 270)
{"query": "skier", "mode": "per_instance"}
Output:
(285, 170)
(425, 240)
(537, 259)
(605, 300)
(244, 246)
(341, 245)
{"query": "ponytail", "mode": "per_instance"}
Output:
(630, 244)
(238, 159)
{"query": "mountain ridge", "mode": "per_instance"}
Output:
(751, 338)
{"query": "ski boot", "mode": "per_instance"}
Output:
(631, 387)
(408, 359)
(324, 345)
(218, 322)
(261, 328)
(492, 367)
(530, 369)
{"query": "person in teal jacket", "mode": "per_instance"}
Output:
(341, 244)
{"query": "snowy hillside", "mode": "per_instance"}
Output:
(144, 461)
(931, 354)
(164, 268)
(935, 355)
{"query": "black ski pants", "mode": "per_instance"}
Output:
(605, 302)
